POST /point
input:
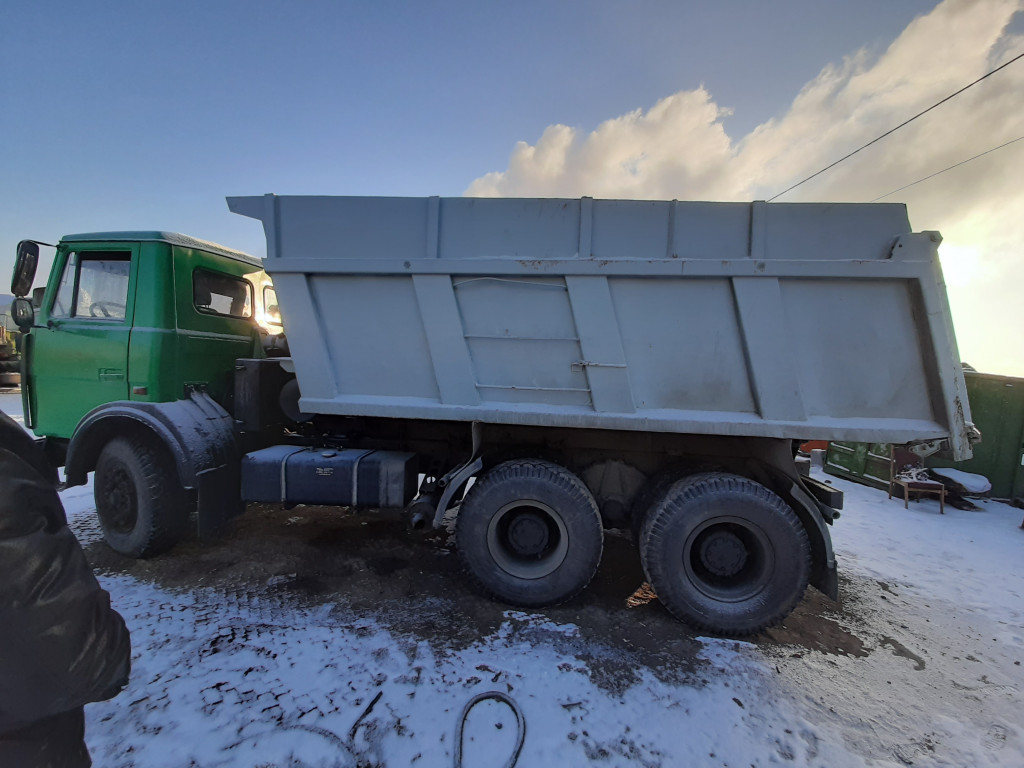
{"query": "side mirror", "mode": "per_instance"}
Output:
(23, 313)
(25, 267)
(37, 296)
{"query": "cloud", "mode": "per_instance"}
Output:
(679, 145)
(679, 149)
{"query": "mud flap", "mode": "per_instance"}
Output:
(826, 581)
(220, 499)
(824, 576)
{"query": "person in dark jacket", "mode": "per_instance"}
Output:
(61, 644)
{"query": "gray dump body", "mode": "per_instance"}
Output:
(809, 321)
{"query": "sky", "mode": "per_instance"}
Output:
(145, 115)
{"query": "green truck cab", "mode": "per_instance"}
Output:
(130, 357)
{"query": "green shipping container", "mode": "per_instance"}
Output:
(997, 408)
(866, 463)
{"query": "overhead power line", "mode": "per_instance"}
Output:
(950, 168)
(893, 130)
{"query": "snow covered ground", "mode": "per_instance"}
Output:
(928, 671)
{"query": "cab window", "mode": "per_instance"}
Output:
(217, 294)
(271, 308)
(94, 285)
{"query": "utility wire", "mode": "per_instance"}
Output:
(957, 165)
(905, 122)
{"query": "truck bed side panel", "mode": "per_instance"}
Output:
(784, 320)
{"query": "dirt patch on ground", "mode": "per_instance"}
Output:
(375, 566)
(817, 624)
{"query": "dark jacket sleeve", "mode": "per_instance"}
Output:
(61, 644)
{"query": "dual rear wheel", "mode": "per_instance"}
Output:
(723, 553)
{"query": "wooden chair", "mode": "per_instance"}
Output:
(899, 460)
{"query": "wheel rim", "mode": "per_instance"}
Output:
(527, 539)
(728, 559)
(121, 511)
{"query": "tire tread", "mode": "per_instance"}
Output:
(656, 527)
(161, 505)
(529, 470)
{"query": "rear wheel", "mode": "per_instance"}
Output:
(725, 554)
(654, 489)
(649, 494)
(142, 507)
(529, 533)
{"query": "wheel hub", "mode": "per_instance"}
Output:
(723, 553)
(527, 540)
(528, 534)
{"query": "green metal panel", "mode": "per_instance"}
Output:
(78, 362)
(208, 344)
(153, 354)
(997, 407)
(866, 463)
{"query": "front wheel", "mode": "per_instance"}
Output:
(142, 507)
(725, 554)
(529, 532)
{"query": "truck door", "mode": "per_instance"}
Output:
(79, 358)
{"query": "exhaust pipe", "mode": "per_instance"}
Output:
(421, 512)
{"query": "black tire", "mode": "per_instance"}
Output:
(529, 533)
(653, 490)
(10, 366)
(142, 507)
(725, 554)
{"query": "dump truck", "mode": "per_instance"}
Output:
(531, 371)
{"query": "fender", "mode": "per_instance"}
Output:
(823, 571)
(777, 458)
(197, 433)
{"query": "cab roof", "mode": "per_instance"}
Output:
(172, 238)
